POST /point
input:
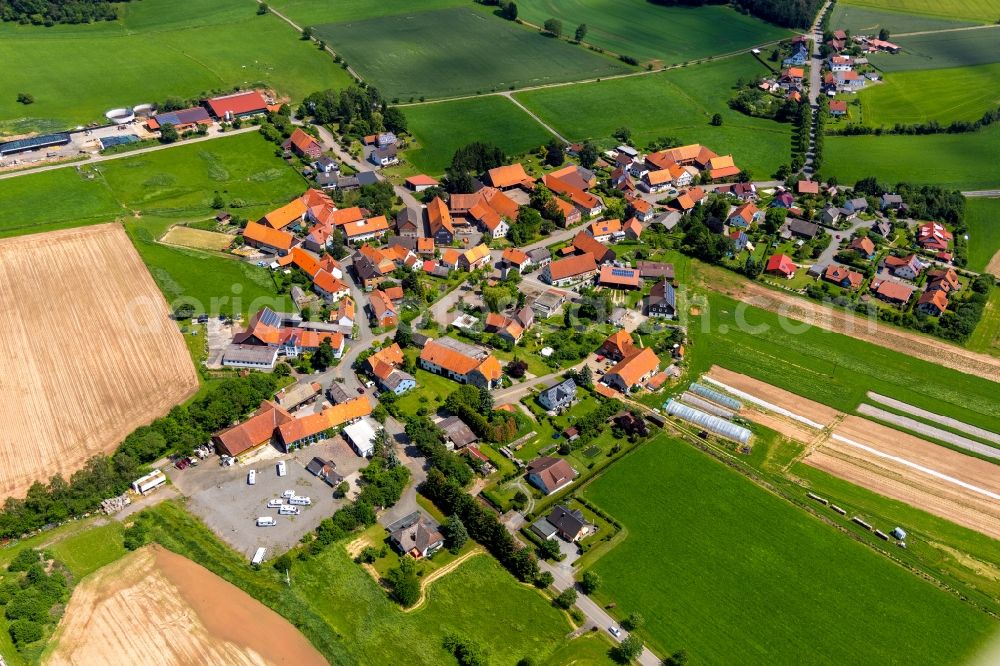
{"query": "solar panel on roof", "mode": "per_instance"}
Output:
(269, 317)
(622, 272)
(33, 143)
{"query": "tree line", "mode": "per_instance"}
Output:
(929, 127)
(51, 12)
(786, 13)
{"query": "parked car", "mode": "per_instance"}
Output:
(360, 390)
(275, 503)
(252, 477)
(266, 521)
(282, 468)
(615, 631)
(182, 464)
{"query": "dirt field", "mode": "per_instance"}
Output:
(197, 238)
(154, 607)
(994, 266)
(839, 321)
(813, 411)
(90, 352)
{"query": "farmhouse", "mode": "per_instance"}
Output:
(303, 145)
(587, 203)
(317, 426)
(492, 210)
(252, 433)
(606, 230)
(363, 230)
(632, 371)
(615, 277)
(618, 345)
(584, 243)
(689, 199)
(237, 105)
(267, 239)
(515, 258)
(662, 300)
(570, 270)
(509, 177)
(464, 363)
(439, 222)
(416, 536)
(559, 396)
(550, 474)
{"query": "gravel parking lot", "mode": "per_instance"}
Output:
(229, 506)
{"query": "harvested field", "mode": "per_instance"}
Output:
(937, 418)
(197, 238)
(155, 607)
(91, 351)
(839, 321)
(929, 430)
(993, 267)
(809, 409)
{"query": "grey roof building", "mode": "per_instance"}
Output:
(457, 432)
(570, 525)
(558, 396)
(662, 300)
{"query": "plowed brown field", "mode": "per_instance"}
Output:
(156, 608)
(89, 351)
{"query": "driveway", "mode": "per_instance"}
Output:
(826, 258)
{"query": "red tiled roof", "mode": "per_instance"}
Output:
(572, 266)
(240, 103)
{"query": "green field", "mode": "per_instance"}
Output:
(986, 337)
(90, 550)
(867, 21)
(650, 32)
(710, 554)
(834, 369)
(313, 12)
(942, 50)
(982, 216)
(348, 617)
(159, 48)
(179, 182)
(981, 11)
(678, 103)
(963, 93)
(950, 160)
(442, 128)
(459, 51)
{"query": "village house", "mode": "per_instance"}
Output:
(688, 199)
(604, 231)
(838, 107)
(364, 230)
(796, 228)
(849, 81)
(383, 157)
(540, 257)
(510, 328)
(933, 302)
(303, 145)
(843, 276)
(439, 222)
(549, 474)
(891, 201)
(662, 300)
(584, 243)
(299, 394)
(617, 346)
(416, 536)
(807, 187)
(475, 257)
(782, 265)
(384, 314)
(570, 270)
(384, 366)
(863, 246)
(633, 229)
(907, 268)
(896, 293)
(943, 279)
(568, 525)
(558, 397)
(515, 259)
(632, 371)
(881, 227)
(464, 363)
(641, 210)
(830, 215)
(409, 223)
(933, 236)
(745, 216)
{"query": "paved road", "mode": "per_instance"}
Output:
(214, 133)
(826, 258)
(815, 81)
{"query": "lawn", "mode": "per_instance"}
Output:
(961, 161)
(442, 128)
(865, 20)
(830, 368)
(90, 550)
(981, 11)
(982, 216)
(678, 103)
(312, 12)
(710, 554)
(348, 617)
(180, 183)
(651, 32)
(943, 49)
(157, 49)
(460, 51)
(963, 93)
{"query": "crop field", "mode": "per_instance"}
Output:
(313, 12)
(179, 182)
(198, 239)
(981, 11)
(349, 619)
(442, 128)
(960, 161)
(650, 32)
(941, 50)
(983, 219)
(73, 287)
(963, 93)
(459, 51)
(158, 49)
(154, 588)
(711, 554)
(867, 21)
(831, 368)
(678, 103)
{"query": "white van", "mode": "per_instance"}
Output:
(282, 469)
(252, 477)
(301, 501)
(258, 557)
(287, 510)
(288, 494)
(275, 503)
(266, 521)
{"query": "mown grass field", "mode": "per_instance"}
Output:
(650, 32)
(348, 617)
(710, 554)
(444, 127)
(866, 20)
(158, 49)
(834, 369)
(460, 51)
(983, 219)
(986, 337)
(940, 50)
(679, 103)
(313, 12)
(963, 93)
(90, 550)
(950, 160)
(180, 182)
(981, 11)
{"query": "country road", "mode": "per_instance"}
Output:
(538, 120)
(934, 32)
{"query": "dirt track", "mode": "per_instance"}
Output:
(839, 321)
(156, 608)
(810, 409)
(89, 351)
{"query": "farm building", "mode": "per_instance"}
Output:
(361, 436)
(458, 435)
(464, 363)
(33, 143)
(182, 120)
(314, 427)
(238, 105)
(570, 270)
(250, 356)
(254, 432)
(632, 371)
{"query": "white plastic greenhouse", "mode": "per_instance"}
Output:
(692, 400)
(712, 424)
(716, 397)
